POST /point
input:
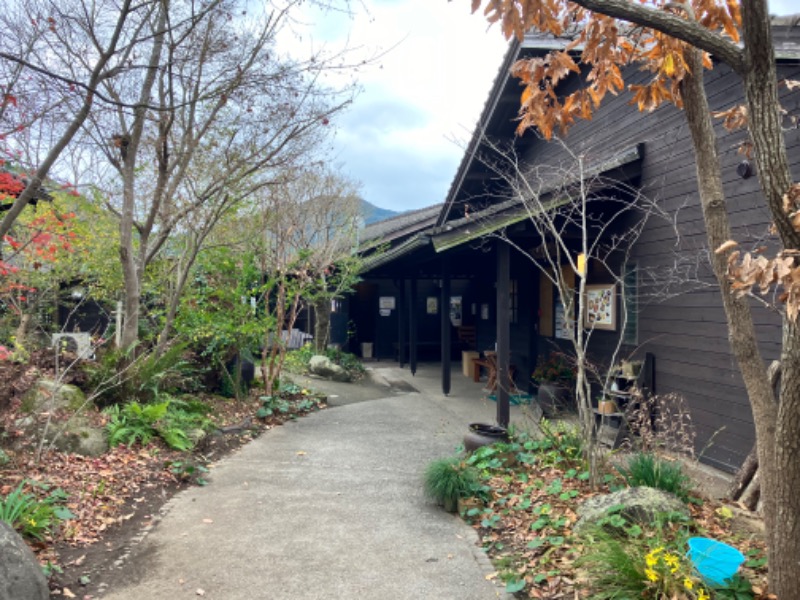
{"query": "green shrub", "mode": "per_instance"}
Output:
(648, 470)
(561, 444)
(448, 479)
(172, 420)
(297, 361)
(33, 517)
(118, 376)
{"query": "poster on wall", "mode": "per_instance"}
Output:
(386, 302)
(601, 307)
(432, 305)
(455, 311)
(485, 312)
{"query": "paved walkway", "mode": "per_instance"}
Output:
(330, 506)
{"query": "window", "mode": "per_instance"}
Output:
(630, 304)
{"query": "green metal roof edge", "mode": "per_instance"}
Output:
(451, 239)
(380, 258)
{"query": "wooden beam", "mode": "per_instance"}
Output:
(412, 327)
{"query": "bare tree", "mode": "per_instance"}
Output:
(54, 58)
(586, 224)
(303, 232)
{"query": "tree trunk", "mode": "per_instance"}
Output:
(739, 318)
(322, 324)
(777, 428)
(744, 476)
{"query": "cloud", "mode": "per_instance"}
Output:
(435, 68)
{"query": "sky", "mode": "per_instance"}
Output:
(403, 136)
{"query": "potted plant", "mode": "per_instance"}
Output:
(606, 405)
(447, 480)
(555, 378)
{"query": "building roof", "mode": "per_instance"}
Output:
(401, 225)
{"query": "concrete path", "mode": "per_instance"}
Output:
(330, 506)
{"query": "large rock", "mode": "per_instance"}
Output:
(639, 504)
(80, 437)
(49, 395)
(77, 434)
(324, 367)
(21, 577)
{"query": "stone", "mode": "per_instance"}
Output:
(21, 575)
(640, 505)
(81, 438)
(49, 395)
(326, 368)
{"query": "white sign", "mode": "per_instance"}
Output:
(386, 302)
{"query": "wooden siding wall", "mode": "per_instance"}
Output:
(687, 331)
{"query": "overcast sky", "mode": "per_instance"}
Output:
(426, 91)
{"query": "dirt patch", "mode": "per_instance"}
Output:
(87, 571)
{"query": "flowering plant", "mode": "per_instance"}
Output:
(556, 368)
(670, 575)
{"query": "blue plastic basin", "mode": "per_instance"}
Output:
(716, 562)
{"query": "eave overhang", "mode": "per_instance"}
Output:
(504, 214)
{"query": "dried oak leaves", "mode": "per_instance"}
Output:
(754, 270)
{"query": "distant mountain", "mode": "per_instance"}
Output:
(373, 214)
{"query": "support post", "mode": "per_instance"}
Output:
(401, 323)
(412, 327)
(444, 320)
(503, 332)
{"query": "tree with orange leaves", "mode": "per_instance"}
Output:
(676, 41)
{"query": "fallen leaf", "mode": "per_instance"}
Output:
(208, 520)
(68, 593)
(301, 453)
(200, 592)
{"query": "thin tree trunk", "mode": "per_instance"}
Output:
(322, 326)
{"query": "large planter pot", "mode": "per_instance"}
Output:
(555, 398)
(482, 434)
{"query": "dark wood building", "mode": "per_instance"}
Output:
(405, 307)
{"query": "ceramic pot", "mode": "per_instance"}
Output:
(482, 434)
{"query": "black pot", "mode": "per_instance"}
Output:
(482, 434)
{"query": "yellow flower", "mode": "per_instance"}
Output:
(651, 574)
(702, 595)
(688, 583)
(672, 561)
(650, 560)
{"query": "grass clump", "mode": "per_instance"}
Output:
(447, 480)
(647, 562)
(645, 469)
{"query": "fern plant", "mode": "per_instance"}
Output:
(171, 420)
(134, 422)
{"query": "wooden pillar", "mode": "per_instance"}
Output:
(444, 320)
(401, 323)
(412, 327)
(503, 332)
